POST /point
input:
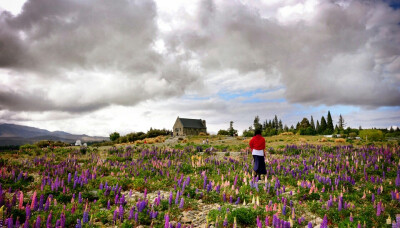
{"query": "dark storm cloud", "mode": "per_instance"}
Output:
(12, 100)
(101, 52)
(343, 52)
(63, 35)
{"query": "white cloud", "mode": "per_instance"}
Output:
(98, 67)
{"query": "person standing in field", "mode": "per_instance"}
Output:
(257, 145)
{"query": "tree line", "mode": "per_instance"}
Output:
(323, 126)
(134, 136)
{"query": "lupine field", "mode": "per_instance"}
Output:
(305, 186)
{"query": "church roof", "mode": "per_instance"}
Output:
(192, 123)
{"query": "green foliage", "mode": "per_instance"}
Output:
(371, 135)
(329, 123)
(323, 126)
(352, 135)
(223, 132)
(245, 216)
(114, 136)
(186, 168)
(28, 147)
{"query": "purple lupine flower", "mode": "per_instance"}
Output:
(108, 205)
(131, 213)
(28, 211)
(324, 223)
(37, 224)
(26, 223)
(266, 221)
(177, 198)
(121, 213)
(284, 209)
(238, 200)
(80, 197)
(309, 225)
(85, 218)
(10, 223)
(378, 209)
(78, 224)
(48, 223)
(116, 199)
(340, 203)
(136, 217)
(181, 203)
(179, 225)
(115, 215)
(40, 203)
(372, 197)
(47, 205)
(166, 218)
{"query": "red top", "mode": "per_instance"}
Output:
(257, 142)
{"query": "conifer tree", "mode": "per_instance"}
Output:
(276, 124)
(323, 126)
(317, 127)
(280, 126)
(312, 123)
(329, 123)
(256, 123)
(341, 122)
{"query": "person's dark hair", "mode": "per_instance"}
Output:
(257, 132)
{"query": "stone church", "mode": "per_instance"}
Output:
(183, 127)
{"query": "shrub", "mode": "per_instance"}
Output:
(340, 140)
(202, 134)
(114, 136)
(352, 135)
(287, 133)
(371, 135)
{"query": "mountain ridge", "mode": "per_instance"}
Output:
(14, 134)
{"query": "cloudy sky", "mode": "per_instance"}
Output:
(98, 66)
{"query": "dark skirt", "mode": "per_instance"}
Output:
(259, 164)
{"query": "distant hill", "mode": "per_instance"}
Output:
(13, 134)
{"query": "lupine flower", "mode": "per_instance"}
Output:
(78, 224)
(324, 223)
(85, 218)
(115, 215)
(121, 212)
(378, 209)
(166, 223)
(28, 211)
(48, 223)
(26, 224)
(181, 203)
(37, 224)
(131, 213)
